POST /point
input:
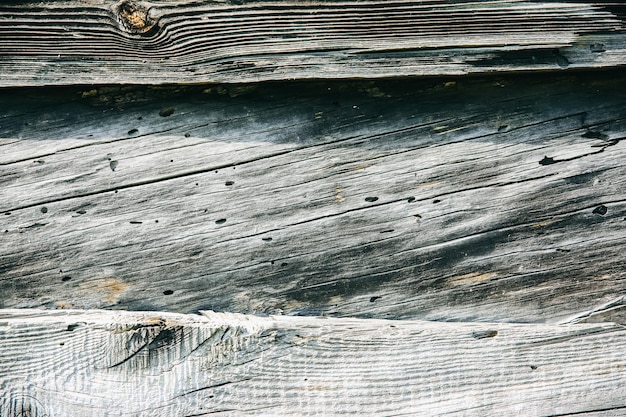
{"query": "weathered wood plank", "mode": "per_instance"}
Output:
(104, 363)
(489, 200)
(189, 41)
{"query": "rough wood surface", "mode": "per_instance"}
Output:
(190, 41)
(103, 363)
(490, 199)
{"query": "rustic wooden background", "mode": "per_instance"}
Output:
(102, 41)
(440, 183)
(466, 199)
(162, 364)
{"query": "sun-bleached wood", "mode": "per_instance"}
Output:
(105, 363)
(490, 200)
(188, 41)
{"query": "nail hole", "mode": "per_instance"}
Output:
(44, 209)
(166, 111)
(171, 160)
(168, 292)
(371, 199)
(220, 221)
(561, 61)
(156, 221)
(547, 160)
(601, 210)
(597, 47)
(187, 135)
(590, 134)
(533, 367)
(484, 334)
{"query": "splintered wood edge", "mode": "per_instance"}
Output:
(254, 323)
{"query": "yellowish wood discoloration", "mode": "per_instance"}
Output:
(135, 16)
(471, 278)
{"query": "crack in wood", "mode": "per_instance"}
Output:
(576, 334)
(617, 303)
(148, 181)
(592, 411)
(210, 387)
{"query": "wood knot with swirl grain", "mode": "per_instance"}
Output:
(135, 18)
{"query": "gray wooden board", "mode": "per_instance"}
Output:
(106, 363)
(495, 199)
(189, 41)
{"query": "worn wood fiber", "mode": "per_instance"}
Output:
(104, 363)
(463, 199)
(189, 41)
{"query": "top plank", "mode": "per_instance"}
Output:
(224, 41)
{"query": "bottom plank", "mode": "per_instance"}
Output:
(113, 363)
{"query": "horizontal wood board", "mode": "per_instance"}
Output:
(103, 363)
(491, 199)
(189, 41)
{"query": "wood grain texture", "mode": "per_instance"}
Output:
(104, 363)
(189, 41)
(488, 199)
